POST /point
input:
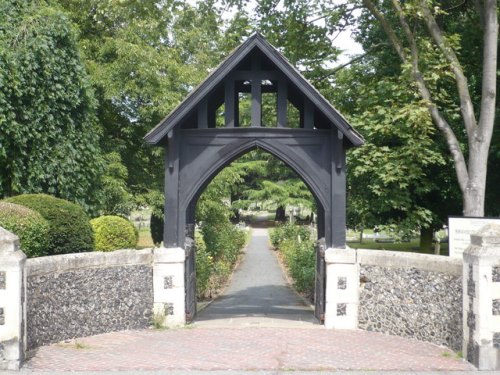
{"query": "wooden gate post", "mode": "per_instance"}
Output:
(342, 293)
(168, 287)
(12, 302)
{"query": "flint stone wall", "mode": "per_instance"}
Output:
(412, 295)
(77, 295)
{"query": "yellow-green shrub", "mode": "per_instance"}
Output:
(31, 228)
(113, 233)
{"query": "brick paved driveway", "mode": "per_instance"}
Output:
(248, 348)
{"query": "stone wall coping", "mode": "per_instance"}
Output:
(397, 259)
(169, 255)
(70, 262)
(340, 256)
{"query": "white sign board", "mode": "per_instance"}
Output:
(460, 229)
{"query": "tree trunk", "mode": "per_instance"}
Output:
(426, 239)
(280, 214)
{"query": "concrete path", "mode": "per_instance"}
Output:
(258, 294)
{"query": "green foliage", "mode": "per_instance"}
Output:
(115, 199)
(69, 227)
(113, 233)
(143, 58)
(48, 134)
(222, 239)
(204, 266)
(31, 228)
(281, 233)
(299, 254)
(396, 178)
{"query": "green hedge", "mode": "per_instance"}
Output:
(113, 233)
(299, 254)
(31, 228)
(69, 226)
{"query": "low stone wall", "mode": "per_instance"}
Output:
(77, 295)
(412, 295)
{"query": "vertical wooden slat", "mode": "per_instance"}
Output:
(236, 108)
(282, 103)
(211, 112)
(229, 103)
(308, 114)
(202, 115)
(256, 93)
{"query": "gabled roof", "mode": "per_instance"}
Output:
(157, 134)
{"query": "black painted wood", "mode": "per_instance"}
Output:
(320, 281)
(196, 151)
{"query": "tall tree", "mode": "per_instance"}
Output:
(48, 134)
(404, 25)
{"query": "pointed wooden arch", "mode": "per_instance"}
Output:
(196, 149)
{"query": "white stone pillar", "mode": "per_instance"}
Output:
(481, 299)
(342, 289)
(12, 302)
(168, 286)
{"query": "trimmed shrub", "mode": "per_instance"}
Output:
(31, 228)
(69, 227)
(113, 233)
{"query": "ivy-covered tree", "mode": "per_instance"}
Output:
(48, 134)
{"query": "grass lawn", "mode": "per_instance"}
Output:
(412, 246)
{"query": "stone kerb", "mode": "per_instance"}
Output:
(168, 286)
(12, 302)
(481, 299)
(342, 295)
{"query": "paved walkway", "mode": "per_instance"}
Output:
(259, 324)
(258, 294)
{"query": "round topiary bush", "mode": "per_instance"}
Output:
(113, 233)
(31, 228)
(69, 226)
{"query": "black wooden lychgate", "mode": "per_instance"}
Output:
(198, 146)
(320, 281)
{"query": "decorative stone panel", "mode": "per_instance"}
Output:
(168, 282)
(342, 283)
(496, 340)
(471, 285)
(495, 307)
(341, 309)
(2, 280)
(2, 316)
(169, 308)
(495, 274)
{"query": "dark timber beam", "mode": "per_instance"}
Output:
(229, 104)
(256, 93)
(308, 114)
(242, 75)
(170, 229)
(338, 188)
(203, 115)
(282, 103)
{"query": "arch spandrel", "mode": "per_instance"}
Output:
(202, 158)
